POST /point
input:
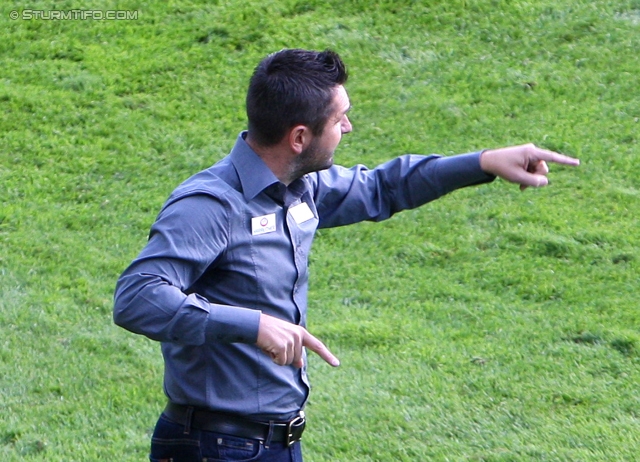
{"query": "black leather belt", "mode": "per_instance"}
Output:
(202, 419)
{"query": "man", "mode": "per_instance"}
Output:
(222, 281)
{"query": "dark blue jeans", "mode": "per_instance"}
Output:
(170, 443)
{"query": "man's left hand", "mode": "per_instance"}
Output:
(525, 164)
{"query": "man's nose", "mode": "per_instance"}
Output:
(346, 125)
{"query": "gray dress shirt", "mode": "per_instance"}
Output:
(232, 242)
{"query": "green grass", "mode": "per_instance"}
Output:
(491, 325)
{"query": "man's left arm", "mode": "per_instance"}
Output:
(345, 196)
(349, 195)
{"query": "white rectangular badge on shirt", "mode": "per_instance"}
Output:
(301, 212)
(263, 224)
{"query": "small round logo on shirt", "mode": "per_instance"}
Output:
(263, 224)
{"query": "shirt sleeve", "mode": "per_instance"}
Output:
(345, 196)
(152, 296)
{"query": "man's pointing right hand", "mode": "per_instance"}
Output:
(284, 342)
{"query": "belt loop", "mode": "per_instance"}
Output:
(267, 442)
(187, 422)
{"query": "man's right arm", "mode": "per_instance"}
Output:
(152, 296)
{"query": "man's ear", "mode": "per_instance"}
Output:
(299, 138)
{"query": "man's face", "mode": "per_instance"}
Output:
(319, 154)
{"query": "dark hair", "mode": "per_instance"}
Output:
(292, 87)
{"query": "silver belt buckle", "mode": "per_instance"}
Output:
(295, 429)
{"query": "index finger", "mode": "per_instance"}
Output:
(551, 156)
(319, 348)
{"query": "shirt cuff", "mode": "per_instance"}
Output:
(232, 324)
(462, 170)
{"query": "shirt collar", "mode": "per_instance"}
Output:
(254, 174)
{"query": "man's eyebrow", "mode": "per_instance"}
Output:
(346, 110)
